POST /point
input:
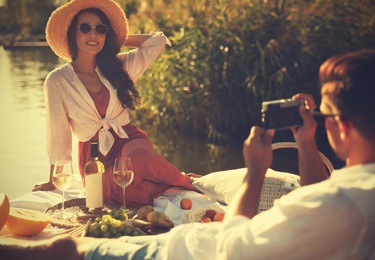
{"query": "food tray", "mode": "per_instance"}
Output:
(75, 207)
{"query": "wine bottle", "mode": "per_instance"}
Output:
(94, 171)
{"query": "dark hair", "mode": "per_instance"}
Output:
(109, 64)
(354, 76)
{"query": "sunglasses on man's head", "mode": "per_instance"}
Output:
(319, 117)
(100, 29)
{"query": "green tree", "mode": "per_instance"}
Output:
(26, 16)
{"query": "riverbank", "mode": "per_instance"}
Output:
(24, 42)
(23, 159)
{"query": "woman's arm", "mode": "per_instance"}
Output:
(136, 40)
(136, 61)
(46, 185)
(57, 128)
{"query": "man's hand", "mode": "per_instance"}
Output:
(306, 132)
(257, 150)
(310, 164)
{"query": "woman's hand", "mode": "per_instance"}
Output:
(192, 177)
(44, 186)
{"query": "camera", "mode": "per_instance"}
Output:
(281, 114)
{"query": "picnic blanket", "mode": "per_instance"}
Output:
(217, 190)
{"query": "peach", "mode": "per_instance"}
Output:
(219, 216)
(206, 219)
(186, 203)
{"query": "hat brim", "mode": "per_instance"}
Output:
(61, 18)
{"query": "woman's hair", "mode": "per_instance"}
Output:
(109, 64)
(354, 76)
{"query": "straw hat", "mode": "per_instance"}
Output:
(61, 18)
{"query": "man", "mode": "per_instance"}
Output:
(332, 219)
(329, 218)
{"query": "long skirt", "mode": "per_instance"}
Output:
(153, 174)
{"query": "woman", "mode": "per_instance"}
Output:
(92, 94)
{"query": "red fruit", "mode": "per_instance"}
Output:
(219, 216)
(206, 219)
(186, 203)
(210, 213)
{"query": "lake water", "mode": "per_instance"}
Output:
(23, 158)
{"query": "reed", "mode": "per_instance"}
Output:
(229, 56)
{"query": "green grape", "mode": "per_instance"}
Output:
(104, 217)
(121, 228)
(116, 223)
(113, 225)
(97, 233)
(137, 231)
(128, 231)
(118, 213)
(107, 234)
(113, 230)
(95, 225)
(91, 231)
(104, 228)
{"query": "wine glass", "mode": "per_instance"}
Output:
(62, 178)
(123, 174)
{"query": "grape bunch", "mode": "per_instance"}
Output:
(114, 225)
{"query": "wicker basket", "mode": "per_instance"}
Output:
(195, 215)
(278, 184)
(275, 185)
(281, 145)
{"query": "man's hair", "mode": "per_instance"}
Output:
(354, 76)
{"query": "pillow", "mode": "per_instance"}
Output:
(222, 185)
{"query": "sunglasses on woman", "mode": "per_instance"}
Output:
(100, 29)
(320, 118)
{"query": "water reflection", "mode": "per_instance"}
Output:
(28, 70)
(194, 155)
(23, 160)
